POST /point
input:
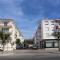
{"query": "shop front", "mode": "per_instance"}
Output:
(49, 44)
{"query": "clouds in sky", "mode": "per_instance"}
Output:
(9, 7)
(28, 12)
(34, 8)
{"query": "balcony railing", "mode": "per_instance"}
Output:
(8, 26)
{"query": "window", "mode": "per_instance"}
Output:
(52, 44)
(5, 23)
(49, 45)
(56, 27)
(52, 24)
(46, 22)
(5, 29)
(56, 44)
(52, 21)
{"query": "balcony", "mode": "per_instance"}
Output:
(57, 21)
(8, 26)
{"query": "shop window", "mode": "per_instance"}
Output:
(48, 45)
(56, 44)
(52, 44)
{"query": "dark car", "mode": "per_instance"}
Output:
(25, 46)
(19, 46)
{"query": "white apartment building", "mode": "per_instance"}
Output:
(19, 35)
(43, 37)
(9, 26)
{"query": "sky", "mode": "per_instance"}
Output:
(28, 13)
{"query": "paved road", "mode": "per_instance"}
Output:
(35, 52)
(29, 58)
(31, 55)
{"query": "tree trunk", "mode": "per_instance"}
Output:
(59, 45)
(3, 46)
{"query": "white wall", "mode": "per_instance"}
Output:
(47, 30)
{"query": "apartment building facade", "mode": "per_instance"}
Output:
(9, 26)
(43, 37)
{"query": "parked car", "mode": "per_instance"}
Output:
(30, 46)
(35, 48)
(19, 46)
(25, 46)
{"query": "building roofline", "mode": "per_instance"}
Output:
(8, 20)
(51, 19)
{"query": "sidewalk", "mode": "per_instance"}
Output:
(6, 53)
(52, 50)
(40, 52)
(49, 51)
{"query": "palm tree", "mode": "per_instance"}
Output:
(57, 36)
(4, 37)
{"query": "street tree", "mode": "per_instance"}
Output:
(4, 37)
(18, 42)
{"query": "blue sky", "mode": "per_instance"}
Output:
(27, 13)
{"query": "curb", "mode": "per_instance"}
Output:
(6, 54)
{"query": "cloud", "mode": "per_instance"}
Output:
(54, 2)
(10, 7)
(28, 13)
(35, 10)
(28, 33)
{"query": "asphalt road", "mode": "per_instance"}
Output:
(31, 55)
(28, 58)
